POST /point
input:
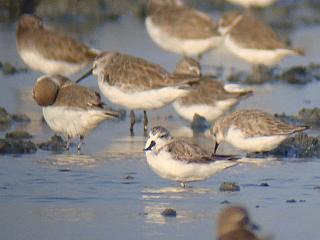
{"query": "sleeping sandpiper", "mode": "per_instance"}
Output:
(252, 3)
(49, 51)
(181, 161)
(180, 29)
(136, 84)
(210, 99)
(252, 130)
(253, 40)
(235, 223)
(69, 108)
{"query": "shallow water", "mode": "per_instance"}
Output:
(69, 196)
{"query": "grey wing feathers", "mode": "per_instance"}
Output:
(78, 96)
(189, 152)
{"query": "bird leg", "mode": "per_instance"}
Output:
(80, 143)
(215, 148)
(257, 73)
(68, 143)
(145, 121)
(132, 121)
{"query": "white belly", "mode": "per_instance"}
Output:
(39, 63)
(253, 144)
(163, 165)
(256, 3)
(209, 112)
(72, 123)
(257, 56)
(189, 47)
(145, 100)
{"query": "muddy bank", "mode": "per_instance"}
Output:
(298, 75)
(306, 116)
(299, 146)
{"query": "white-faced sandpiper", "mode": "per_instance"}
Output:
(69, 108)
(210, 98)
(49, 51)
(138, 84)
(252, 130)
(181, 161)
(178, 28)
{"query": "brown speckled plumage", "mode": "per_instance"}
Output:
(136, 74)
(255, 123)
(251, 32)
(51, 44)
(183, 22)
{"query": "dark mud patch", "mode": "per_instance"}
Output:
(299, 146)
(55, 144)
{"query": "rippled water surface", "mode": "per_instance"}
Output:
(109, 192)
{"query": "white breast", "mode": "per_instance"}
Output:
(72, 122)
(168, 168)
(209, 112)
(257, 56)
(235, 137)
(39, 63)
(189, 47)
(150, 99)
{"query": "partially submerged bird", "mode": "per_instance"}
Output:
(254, 41)
(137, 84)
(49, 51)
(181, 161)
(210, 98)
(252, 130)
(234, 223)
(180, 29)
(69, 108)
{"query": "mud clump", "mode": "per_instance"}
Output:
(6, 118)
(8, 69)
(55, 144)
(310, 116)
(18, 135)
(307, 116)
(299, 146)
(169, 212)
(297, 75)
(229, 187)
(9, 146)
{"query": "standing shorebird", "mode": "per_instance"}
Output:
(210, 98)
(234, 223)
(181, 29)
(69, 108)
(138, 84)
(253, 40)
(181, 161)
(48, 51)
(252, 130)
(252, 3)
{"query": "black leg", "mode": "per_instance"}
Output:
(80, 143)
(68, 143)
(145, 121)
(215, 148)
(132, 121)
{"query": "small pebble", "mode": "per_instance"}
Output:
(291, 201)
(229, 187)
(18, 135)
(225, 202)
(264, 185)
(129, 177)
(169, 212)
